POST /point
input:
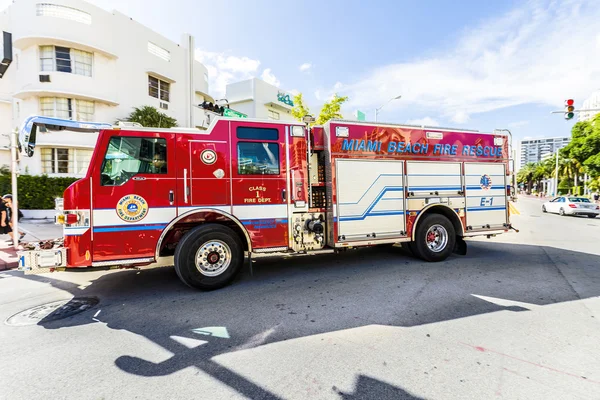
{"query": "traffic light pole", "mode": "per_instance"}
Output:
(583, 110)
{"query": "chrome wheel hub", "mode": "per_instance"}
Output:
(436, 238)
(213, 258)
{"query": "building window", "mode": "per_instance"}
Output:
(65, 161)
(57, 11)
(64, 59)
(158, 89)
(205, 77)
(273, 114)
(159, 51)
(62, 107)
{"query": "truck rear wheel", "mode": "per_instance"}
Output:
(209, 257)
(435, 238)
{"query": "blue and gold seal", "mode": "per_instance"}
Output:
(132, 208)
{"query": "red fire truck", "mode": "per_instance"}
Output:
(203, 201)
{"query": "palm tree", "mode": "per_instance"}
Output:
(150, 117)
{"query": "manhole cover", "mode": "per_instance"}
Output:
(52, 311)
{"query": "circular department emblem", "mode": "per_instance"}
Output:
(208, 157)
(485, 182)
(132, 208)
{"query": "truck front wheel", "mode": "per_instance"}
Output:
(209, 257)
(434, 239)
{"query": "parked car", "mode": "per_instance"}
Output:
(571, 205)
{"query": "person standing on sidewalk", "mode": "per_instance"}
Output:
(7, 200)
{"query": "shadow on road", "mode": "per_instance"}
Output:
(303, 296)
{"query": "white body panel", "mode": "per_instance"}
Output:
(486, 195)
(370, 199)
(430, 177)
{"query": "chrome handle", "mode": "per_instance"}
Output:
(171, 197)
(139, 178)
(185, 186)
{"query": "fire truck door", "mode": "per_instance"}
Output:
(207, 173)
(133, 194)
(259, 187)
(486, 195)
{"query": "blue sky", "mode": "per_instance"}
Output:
(469, 64)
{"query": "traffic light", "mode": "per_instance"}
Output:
(569, 109)
(207, 105)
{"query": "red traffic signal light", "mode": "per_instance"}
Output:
(569, 108)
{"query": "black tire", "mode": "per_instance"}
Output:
(561, 212)
(544, 209)
(410, 248)
(218, 240)
(591, 216)
(420, 247)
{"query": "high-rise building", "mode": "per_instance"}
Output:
(592, 102)
(534, 150)
(73, 60)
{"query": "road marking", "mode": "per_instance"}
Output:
(512, 209)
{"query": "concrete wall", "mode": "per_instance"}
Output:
(256, 97)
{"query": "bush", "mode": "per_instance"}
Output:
(36, 192)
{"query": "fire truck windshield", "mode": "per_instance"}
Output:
(130, 156)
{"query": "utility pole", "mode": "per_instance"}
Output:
(15, 207)
(556, 176)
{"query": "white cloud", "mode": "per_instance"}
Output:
(423, 121)
(537, 53)
(518, 124)
(269, 77)
(295, 92)
(224, 69)
(305, 67)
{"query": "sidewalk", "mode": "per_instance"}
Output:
(35, 230)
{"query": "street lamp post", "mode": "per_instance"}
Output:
(389, 101)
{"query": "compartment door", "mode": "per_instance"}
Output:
(370, 199)
(486, 195)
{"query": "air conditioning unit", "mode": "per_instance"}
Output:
(164, 106)
(44, 78)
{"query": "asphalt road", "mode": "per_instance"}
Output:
(517, 318)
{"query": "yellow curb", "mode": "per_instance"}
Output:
(512, 209)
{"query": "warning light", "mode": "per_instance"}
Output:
(569, 109)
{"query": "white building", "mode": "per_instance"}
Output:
(74, 60)
(590, 103)
(534, 150)
(258, 99)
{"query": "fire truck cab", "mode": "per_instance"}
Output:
(204, 200)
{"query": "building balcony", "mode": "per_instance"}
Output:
(69, 85)
(70, 24)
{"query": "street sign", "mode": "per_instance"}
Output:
(359, 115)
(228, 112)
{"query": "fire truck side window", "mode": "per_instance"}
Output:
(129, 156)
(256, 158)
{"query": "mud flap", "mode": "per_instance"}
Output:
(460, 247)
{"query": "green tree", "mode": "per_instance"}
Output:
(150, 117)
(300, 109)
(330, 110)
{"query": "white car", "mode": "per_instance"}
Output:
(571, 205)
